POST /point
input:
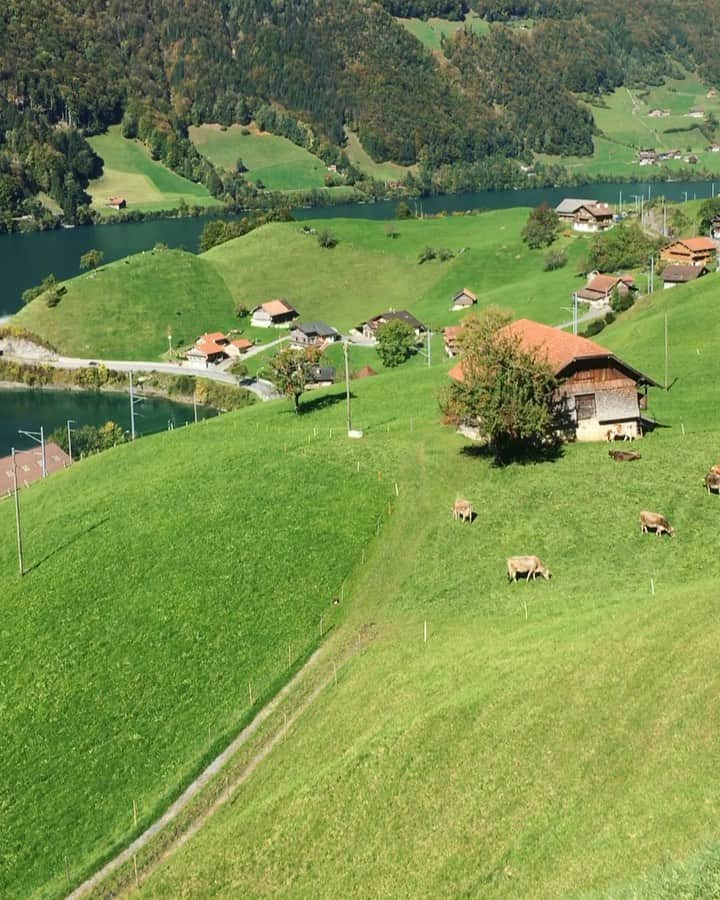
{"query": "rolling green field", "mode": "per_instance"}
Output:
(552, 739)
(123, 310)
(130, 172)
(431, 31)
(276, 161)
(626, 126)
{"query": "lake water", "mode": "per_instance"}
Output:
(29, 409)
(25, 259)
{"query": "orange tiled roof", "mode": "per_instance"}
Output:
(277, 307)
(697, 243)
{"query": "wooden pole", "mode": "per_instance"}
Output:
(667, 368)
(252, 701)
(347, 386)
(17, 516)
(425, 633)
(135, 813)
(137, 878)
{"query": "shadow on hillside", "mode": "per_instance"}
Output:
(66, 543)
(316, 403)
(523, 455)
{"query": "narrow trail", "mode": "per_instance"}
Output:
(193, 789)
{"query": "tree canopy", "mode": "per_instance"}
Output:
(291, 371)
(506, 392)
(395, 342)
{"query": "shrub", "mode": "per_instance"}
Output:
(555, 259)
(241, 310)
(610, 318)
(595, 327)
(327, 239)
(426, 255)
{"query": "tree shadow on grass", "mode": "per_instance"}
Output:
(522, 455)
(68, 542)
(325, 402)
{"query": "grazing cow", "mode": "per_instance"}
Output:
(655, 520)
(715, 470)
(624, 455)
(618, 433)
(530, 566)
(462, 509)
(712, 481)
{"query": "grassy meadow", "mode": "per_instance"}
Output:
(361, 159)
(130, 172)
(625, 126)
(432, 31)
(124, 309)
(276, 161)
(551, 739)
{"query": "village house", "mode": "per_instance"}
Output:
(599, 289)
(238, 347)
(117, 202)
(593, 217)
(28, 465)
(647, 157)
(321, 376)
(715, 228)
(369, 328)
(464, 299)
(602, 393)
(567, 208)
(450, 339)
(208, 349)
(659, 113)
(677, 274)
(697, 251)
(669, 154)
(273, 314)
(314, 334)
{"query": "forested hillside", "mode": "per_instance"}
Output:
(311, 69)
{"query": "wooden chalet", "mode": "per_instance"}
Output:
(593, 217)
(599, 288)
(369, 328)
(672, 276)
(273, 314)
(697, 251)
(567, 208)
(314, 334)
(450, 339)
(321, 376)
(209, 349)
(604, 395)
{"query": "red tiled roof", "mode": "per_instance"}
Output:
(208, 347)
(216, 336)
(558, 347)
(697, 243)
(29, 466)
(452, 332)
(242, 344)
(605, 283)
(365, 372)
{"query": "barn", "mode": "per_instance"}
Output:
(605, 396)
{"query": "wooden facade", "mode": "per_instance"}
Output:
(603, 400)
(691, 252)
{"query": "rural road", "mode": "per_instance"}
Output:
(587, 317)
(261, 388)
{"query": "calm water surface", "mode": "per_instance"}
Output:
(29, 409)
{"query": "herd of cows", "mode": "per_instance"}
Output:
(531, 566)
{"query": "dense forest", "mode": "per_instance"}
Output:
(312, 68)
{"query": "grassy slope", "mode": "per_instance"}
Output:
(359, 157)
(431, 31)
(626, 127)
(510, 756)
(131, 173)
(123, 310)
(165, 576)
(276, 161)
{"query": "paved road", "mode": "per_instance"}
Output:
(587, 317)
(261, 388)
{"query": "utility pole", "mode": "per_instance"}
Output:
(69, 437)
(132, 409)
(347, 385)
(17, 516)
(429, 348)
(195, 406)
(651, 284)
(39, 438)
(667, 368)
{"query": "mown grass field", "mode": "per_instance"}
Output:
(540, 753)
(566, 750)
(130, 172)
(431, 31)
(626, 126)
(165, 577)
(276, 161)
(124, 309)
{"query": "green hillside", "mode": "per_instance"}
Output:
(276, 161)
(129, 172)
(549, 739)
(365, 274)
(558, 749)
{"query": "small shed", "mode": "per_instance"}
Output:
(464, 299)
(674, 275)
(273, 314)
(117, 202)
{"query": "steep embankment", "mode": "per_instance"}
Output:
(548, 739)
(123, 311)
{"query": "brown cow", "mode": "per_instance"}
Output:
(462, 509)
(624, 455)
(715, 470)
(656, 521)
(712, 481)
(530, 566)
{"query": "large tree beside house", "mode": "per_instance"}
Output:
(505, 391)
(291, 371)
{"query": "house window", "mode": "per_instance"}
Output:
(585, 407)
